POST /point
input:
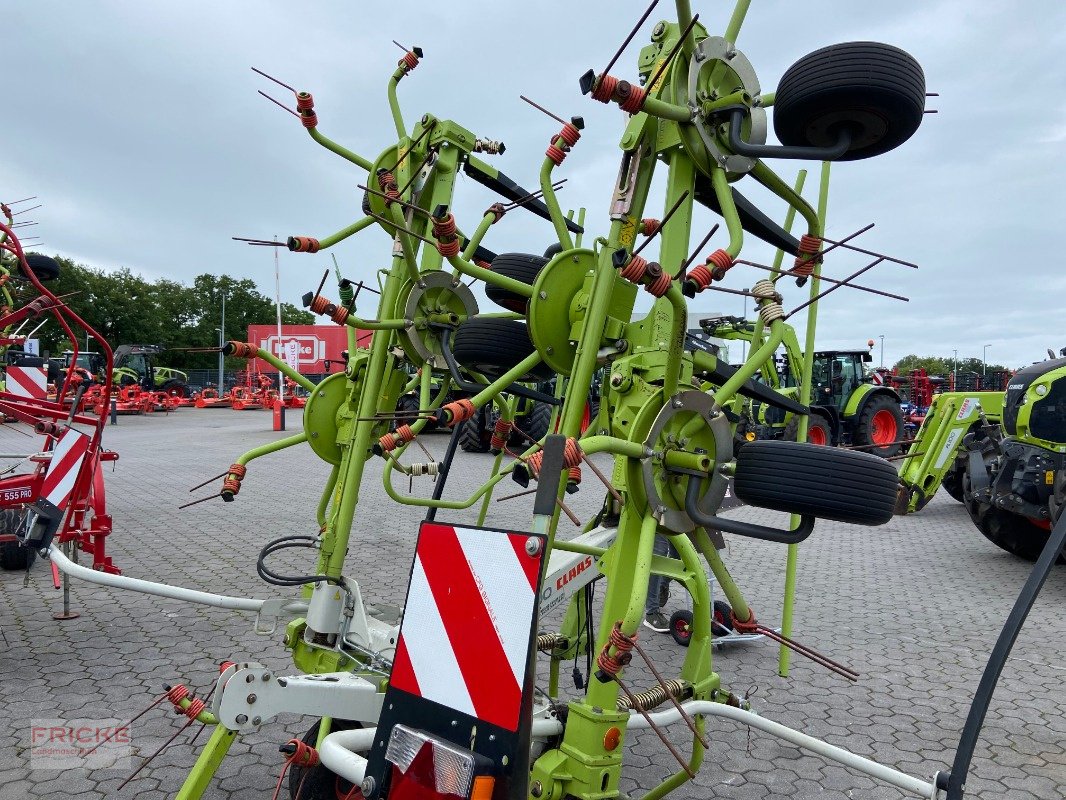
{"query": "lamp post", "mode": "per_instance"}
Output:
(882, 350)
(984, 358)
(221, 343)
(954, 367)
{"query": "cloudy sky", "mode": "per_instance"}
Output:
(138, 126)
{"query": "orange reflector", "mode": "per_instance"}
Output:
(750, 436)
(483, 786)
(611, 739)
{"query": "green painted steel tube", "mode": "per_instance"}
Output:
(772, 181)
(729, 211)
(394, 103)
(768, 99)
(791, 562)
(375, 324)
(577, 547)
(612, 444)
(721, 574)
(271, 447)
(752, 365)
(552, 202)
(664, 110)
(684, 17)
(488, 276)
(207, 763)
(426, 502)
(790, 218)
(641, 573)
(343, 152)
(677, 338)
(507, 408)
(479, 234)
(395, 211)
(344, 233)
(511, 376)
(285, 369)
(732, 30)
(327, 493)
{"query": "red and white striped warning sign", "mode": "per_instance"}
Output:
(64, 467)
(466, 628)
(27, 382)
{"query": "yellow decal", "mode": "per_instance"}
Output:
(1049, 477)
(628, 234)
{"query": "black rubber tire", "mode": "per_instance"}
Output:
(365, 205)
(475, 433)
(681, 627)
(321, 783)
(553, 250)
(408, 403)
(175, 387)
(875, 89)
(721, 618)
(494, 346)
(826, 482)
(537, 423)
(952, 481)
(813, 421)
(519, 266)
(44, 267)
(13, 556)
(862, 432)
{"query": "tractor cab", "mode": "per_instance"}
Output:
(837, 374)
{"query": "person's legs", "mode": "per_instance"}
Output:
(658, 590)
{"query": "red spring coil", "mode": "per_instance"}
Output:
(196, 705)
(500, 434)
(573, 475)
(387, 182)
(700, 277)
(484, 264)
(226, 665)
(319, 304)
(623, 646)
(4, 279)
(459, 411)
(448, 249)
(304, 101)
(303, 754)
(661, 285)
(649, 226)
(569, 134)
(633, 101)
(409, 60)
(533, 464)
(231, 486)
(634, 270)
(444, 228)
(750, 625)
(303, 244)
(387, 443)
(243, 349)
(805, 261)
(177, 693)
(339, 315)
(571, 457)
(405, 433)
(309, 118)
(555, 153)
(722, 262)
(239, 470)
(604, 88)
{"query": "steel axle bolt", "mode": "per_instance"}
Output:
(536, 789)
(251, 699)
(241, 719)
(532, 545)
(367, 786)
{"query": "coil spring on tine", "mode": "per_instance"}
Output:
(339, 314)
(634, 100)
(634, 269)
(546, 642)
(196, 705)
(570, 134)
(771, 312)
(431, 469)
(555, 153)
(239, 470)
(501, 432)
(764, 290)
(459, 410)
(573, 475)
(722, 262)
(648, 226)
(603, 90)
(303, 754)
(700, 277)
(661, 285)
(653, 697)
(177, 693)
(308, 118)
(445, 227)
(304, 101)
(808, 257)
(319, 304)
(623, 646)
(448, 249)
(409, 61)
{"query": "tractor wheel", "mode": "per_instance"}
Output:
(825, 482)
(318, 782)
(494, 346)
(520, 266)
(880, 422)
(681, 627)
(13, 556)
(475, 432)
(537, 424)
(721, 618)
(818, 430)
(407, 404)
(1016, 534)
(873, 90)
(952, 481)
(44, 267)
(175, 387)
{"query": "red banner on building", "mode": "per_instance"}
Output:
(317, 347)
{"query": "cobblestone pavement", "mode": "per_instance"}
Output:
(914, 606)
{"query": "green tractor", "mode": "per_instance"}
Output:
(849, 406)
(135, 363)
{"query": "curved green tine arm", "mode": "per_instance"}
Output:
(664, 110)
(285, 369)
(729, 211)
(457, 505)
(343, 152)
(327, 493)
(394, 103)
(205, 716)
(507, 408)
(479, 233)
(490, 277)
(755, 360)
(721, 574)
(552, 202)
(271, 447)
(772, 181)
(732, 30)
(344, 233)
(790, 218)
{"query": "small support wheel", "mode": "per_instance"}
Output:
(721, 618)
(681, 627)
(318, 782)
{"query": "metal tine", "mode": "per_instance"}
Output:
(662, 223)
(408, 231)
(278, 103)
(533, 195)
(258, 241)
(541, 108)
(845, 282)
(827, 279)
(677, 47)
(603, 478)
(155, 702)
(201, 500)
(209, 480)
(31, 208)
(272, 78)
(321, 283)
(403, 203)
(516, 494)
(150, 758)
(23, 200)
(842, 243)
(681, 273)
(415, 173)
(629, 38)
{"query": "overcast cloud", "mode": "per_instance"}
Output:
(139, 127)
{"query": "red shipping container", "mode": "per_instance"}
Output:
(318, 347)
